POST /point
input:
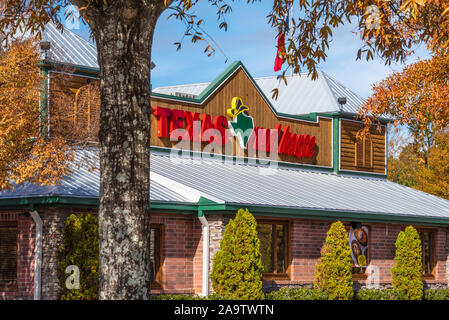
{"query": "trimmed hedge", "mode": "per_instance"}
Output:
(376, 294)
(436, 294)
(297, 294)
(315, 294)
(185, 297)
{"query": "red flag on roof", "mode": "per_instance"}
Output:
(278, 61)
(281, 44)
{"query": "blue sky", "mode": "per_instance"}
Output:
(250, 39)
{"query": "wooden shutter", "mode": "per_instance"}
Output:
(8, 254)
(364, 153)
(86, 111)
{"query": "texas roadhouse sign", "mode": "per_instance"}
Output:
(192, 126)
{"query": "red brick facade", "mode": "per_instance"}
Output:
(308, 236)
(25, 257)
(182, 251)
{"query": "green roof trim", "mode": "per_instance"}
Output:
(76, 68)
(48, 200)
(241, 159)
(233, 67)
(281, 164)
(206, 206)
(320, 214)
(208, 90)
(219, 80)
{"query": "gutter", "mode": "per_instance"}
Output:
(205, 233)
(37, 255)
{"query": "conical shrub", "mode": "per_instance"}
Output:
(237, 266)
(407, 271)
(333, 273)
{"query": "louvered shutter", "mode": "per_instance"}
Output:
(8, 254)
(363, 149)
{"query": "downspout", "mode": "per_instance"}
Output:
(205, 225)
(37, 254)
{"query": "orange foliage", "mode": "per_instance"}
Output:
(411, 170)
(417, 97)
(401, 24)
(389, 29)
(26, 155)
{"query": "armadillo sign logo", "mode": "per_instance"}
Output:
(192, 126)
(242, 126)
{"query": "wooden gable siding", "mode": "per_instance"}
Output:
(239, 85)
(359, 155)
(77, 122)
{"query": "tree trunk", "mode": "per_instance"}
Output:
(124, 38)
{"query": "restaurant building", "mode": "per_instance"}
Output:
(294, 162)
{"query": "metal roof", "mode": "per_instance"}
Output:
(301, 95)
(85, 183)
(67, 47)
(246, 184)
(174, 178)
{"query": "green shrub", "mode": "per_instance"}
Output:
(407, 271)
(315, 294)
(436, 294)
(80, 247)
(185, 297)
(333, 272)
(237, 266)
(376, 294)
(297, 294)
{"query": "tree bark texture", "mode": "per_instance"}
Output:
(123, 32)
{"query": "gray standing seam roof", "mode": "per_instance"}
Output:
(84, 183)
(249, 184)
(299, 188)
(67, 47)
(300, 96)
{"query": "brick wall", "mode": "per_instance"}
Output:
(307, 238)
(53, 223)
(182, 251)
(25, 257)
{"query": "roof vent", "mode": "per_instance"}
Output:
(341, 101)
(184, 95)
(44, 46)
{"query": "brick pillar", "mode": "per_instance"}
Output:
(446, 250)
(53, 224)
(217, 225)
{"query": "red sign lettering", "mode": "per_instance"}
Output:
(289, 143)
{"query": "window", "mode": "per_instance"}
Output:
(359, 244)
(8, 256)
(273, 238)
(428, 259)
(156, 256)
